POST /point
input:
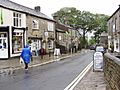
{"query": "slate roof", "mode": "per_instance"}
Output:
(61, 26)
(17, 7)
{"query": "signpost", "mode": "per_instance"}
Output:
(98, 61)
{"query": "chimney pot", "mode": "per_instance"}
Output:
(37, 8)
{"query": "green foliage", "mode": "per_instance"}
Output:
(83, 43)
(101, 21)
(86, 21)
(68, 15)
(29, 41)
(92, 41)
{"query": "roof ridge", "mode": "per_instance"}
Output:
(15, 6)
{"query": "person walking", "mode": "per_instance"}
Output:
(26, 56)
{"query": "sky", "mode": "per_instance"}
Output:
(48, 7)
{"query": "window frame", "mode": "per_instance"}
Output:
(17, 19)
(17, 41)
(35, 24)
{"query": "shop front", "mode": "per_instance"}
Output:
(4, 42)
(18, 40)
(12, 40)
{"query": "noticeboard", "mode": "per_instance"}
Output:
(98, 61)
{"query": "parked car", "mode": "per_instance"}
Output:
(100, 49)
(92, 47)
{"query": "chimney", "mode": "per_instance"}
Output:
(37, 8)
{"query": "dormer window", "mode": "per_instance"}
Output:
(35, 24)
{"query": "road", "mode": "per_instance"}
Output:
(54, 76)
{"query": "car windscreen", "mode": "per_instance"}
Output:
(99, 49)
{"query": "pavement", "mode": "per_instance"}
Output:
(91, 80)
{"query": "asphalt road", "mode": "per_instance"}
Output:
(54, 76)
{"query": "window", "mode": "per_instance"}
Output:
(17, 40)
(114, 28)
(17, 19)
(35, 24)
(3, 40)
(60, 38)
(117, 45)
(50, 45)
(35, 45)
(50, 26)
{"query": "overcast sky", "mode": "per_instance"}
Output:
(49, 7)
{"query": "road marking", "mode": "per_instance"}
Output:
(72, 85)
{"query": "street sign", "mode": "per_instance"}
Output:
(98, 61)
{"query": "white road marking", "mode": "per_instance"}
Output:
(72, 85)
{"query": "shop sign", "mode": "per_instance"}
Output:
(98, 61)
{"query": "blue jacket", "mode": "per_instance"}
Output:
(26, 54)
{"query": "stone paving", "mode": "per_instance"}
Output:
(92, 81)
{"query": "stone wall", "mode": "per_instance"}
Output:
(112, 72)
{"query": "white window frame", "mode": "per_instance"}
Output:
(36, 45)
(35, 24)
(17, 19)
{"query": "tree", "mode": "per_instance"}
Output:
(67, 15)
(101, 21)
(84, 20)
(92, 41)
(76, 19)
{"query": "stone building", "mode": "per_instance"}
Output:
(40, 31)
(66, 38)
(19, 24)
(114, 31)
(104, 40)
